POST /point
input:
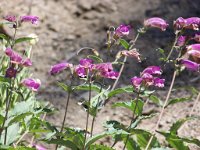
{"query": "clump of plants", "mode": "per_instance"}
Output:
(22, 115)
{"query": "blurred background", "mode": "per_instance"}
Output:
(67, 25)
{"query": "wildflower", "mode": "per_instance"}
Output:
(194, 47)
(181, 40)
(11, 72)
(14, 57)
(10, 18)
(153, 70)
(110, 75)
(32, 19)
(190, 65)
(132, 53)
(86, 62)
(197, 37)
(58, 68)
(32, 84)
(189, 23)
(39, 147)
(27, 62)
(80, 71)
(136, 81)
(194, 51)
(122, 30)
(159, 82)
(148, 78)
(156, 23)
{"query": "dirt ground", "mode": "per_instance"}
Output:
(67, 25)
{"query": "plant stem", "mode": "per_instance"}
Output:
(133, 119)
(124, 61)
(8, 101)
(162, 110)
(88, 112)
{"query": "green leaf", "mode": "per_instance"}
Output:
(127, 89)
(62, 142)
(100, 147)
(156, 100)
(95, 58)
(174, 128)
(178, 100)
(142, 138)
(64, 87)
(85, 87)
(4, 80)
(161, 148)
(23, 39)
(5, 37)
(131, 144)
(124, 43)
(192, 141)
(136, 106)
(19, 117)
(16, 148)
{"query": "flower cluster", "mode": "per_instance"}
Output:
(148, 78)
(188, 23)
(87, 67)
(32, 19)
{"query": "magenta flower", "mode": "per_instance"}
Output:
(181, 40)
(190, 65)
(156, 23)
(194, 53)
(27, 62)
(14, 57)
(39, 147)
(197, 37)
(194, 47)
(189, 23)
(32, 84)
(122, 30)
(104, 67)
(80, 71)
(159, 82)
(132, 53)
(86, 62)
(136, 82)
(110, 75)
(153, 70)
(32, 19)
(10, 18)
(11, 72)
(59, 67)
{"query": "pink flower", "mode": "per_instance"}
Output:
(27, 62)
(39, 147)
(32, 19)
(190, 65)
(197, 37)
(194, 50)
(159, 82)
(10, 18)
(32, 84)
(80, 71)
(11, 72)
(156, 23)
(153, 70)
(194, 53)
(122, 30)
(132, 53)
(59, 67)
(194, 47)
(136, 82)
(110, 75)
(14, 57)
(189, 23)
(181, 40)
(104, 67)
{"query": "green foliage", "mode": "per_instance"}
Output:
(124, 43)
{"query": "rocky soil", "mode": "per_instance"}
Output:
(67, 25)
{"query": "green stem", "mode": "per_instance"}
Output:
(88, 112)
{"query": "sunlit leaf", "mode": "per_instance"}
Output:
(124, 43)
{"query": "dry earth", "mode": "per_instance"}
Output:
(68, 25)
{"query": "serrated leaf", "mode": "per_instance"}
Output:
(23, 39)
(136, 106)
(156, 100)
(64, 87)
(174, 128)
(178, 100)
(124, 43)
